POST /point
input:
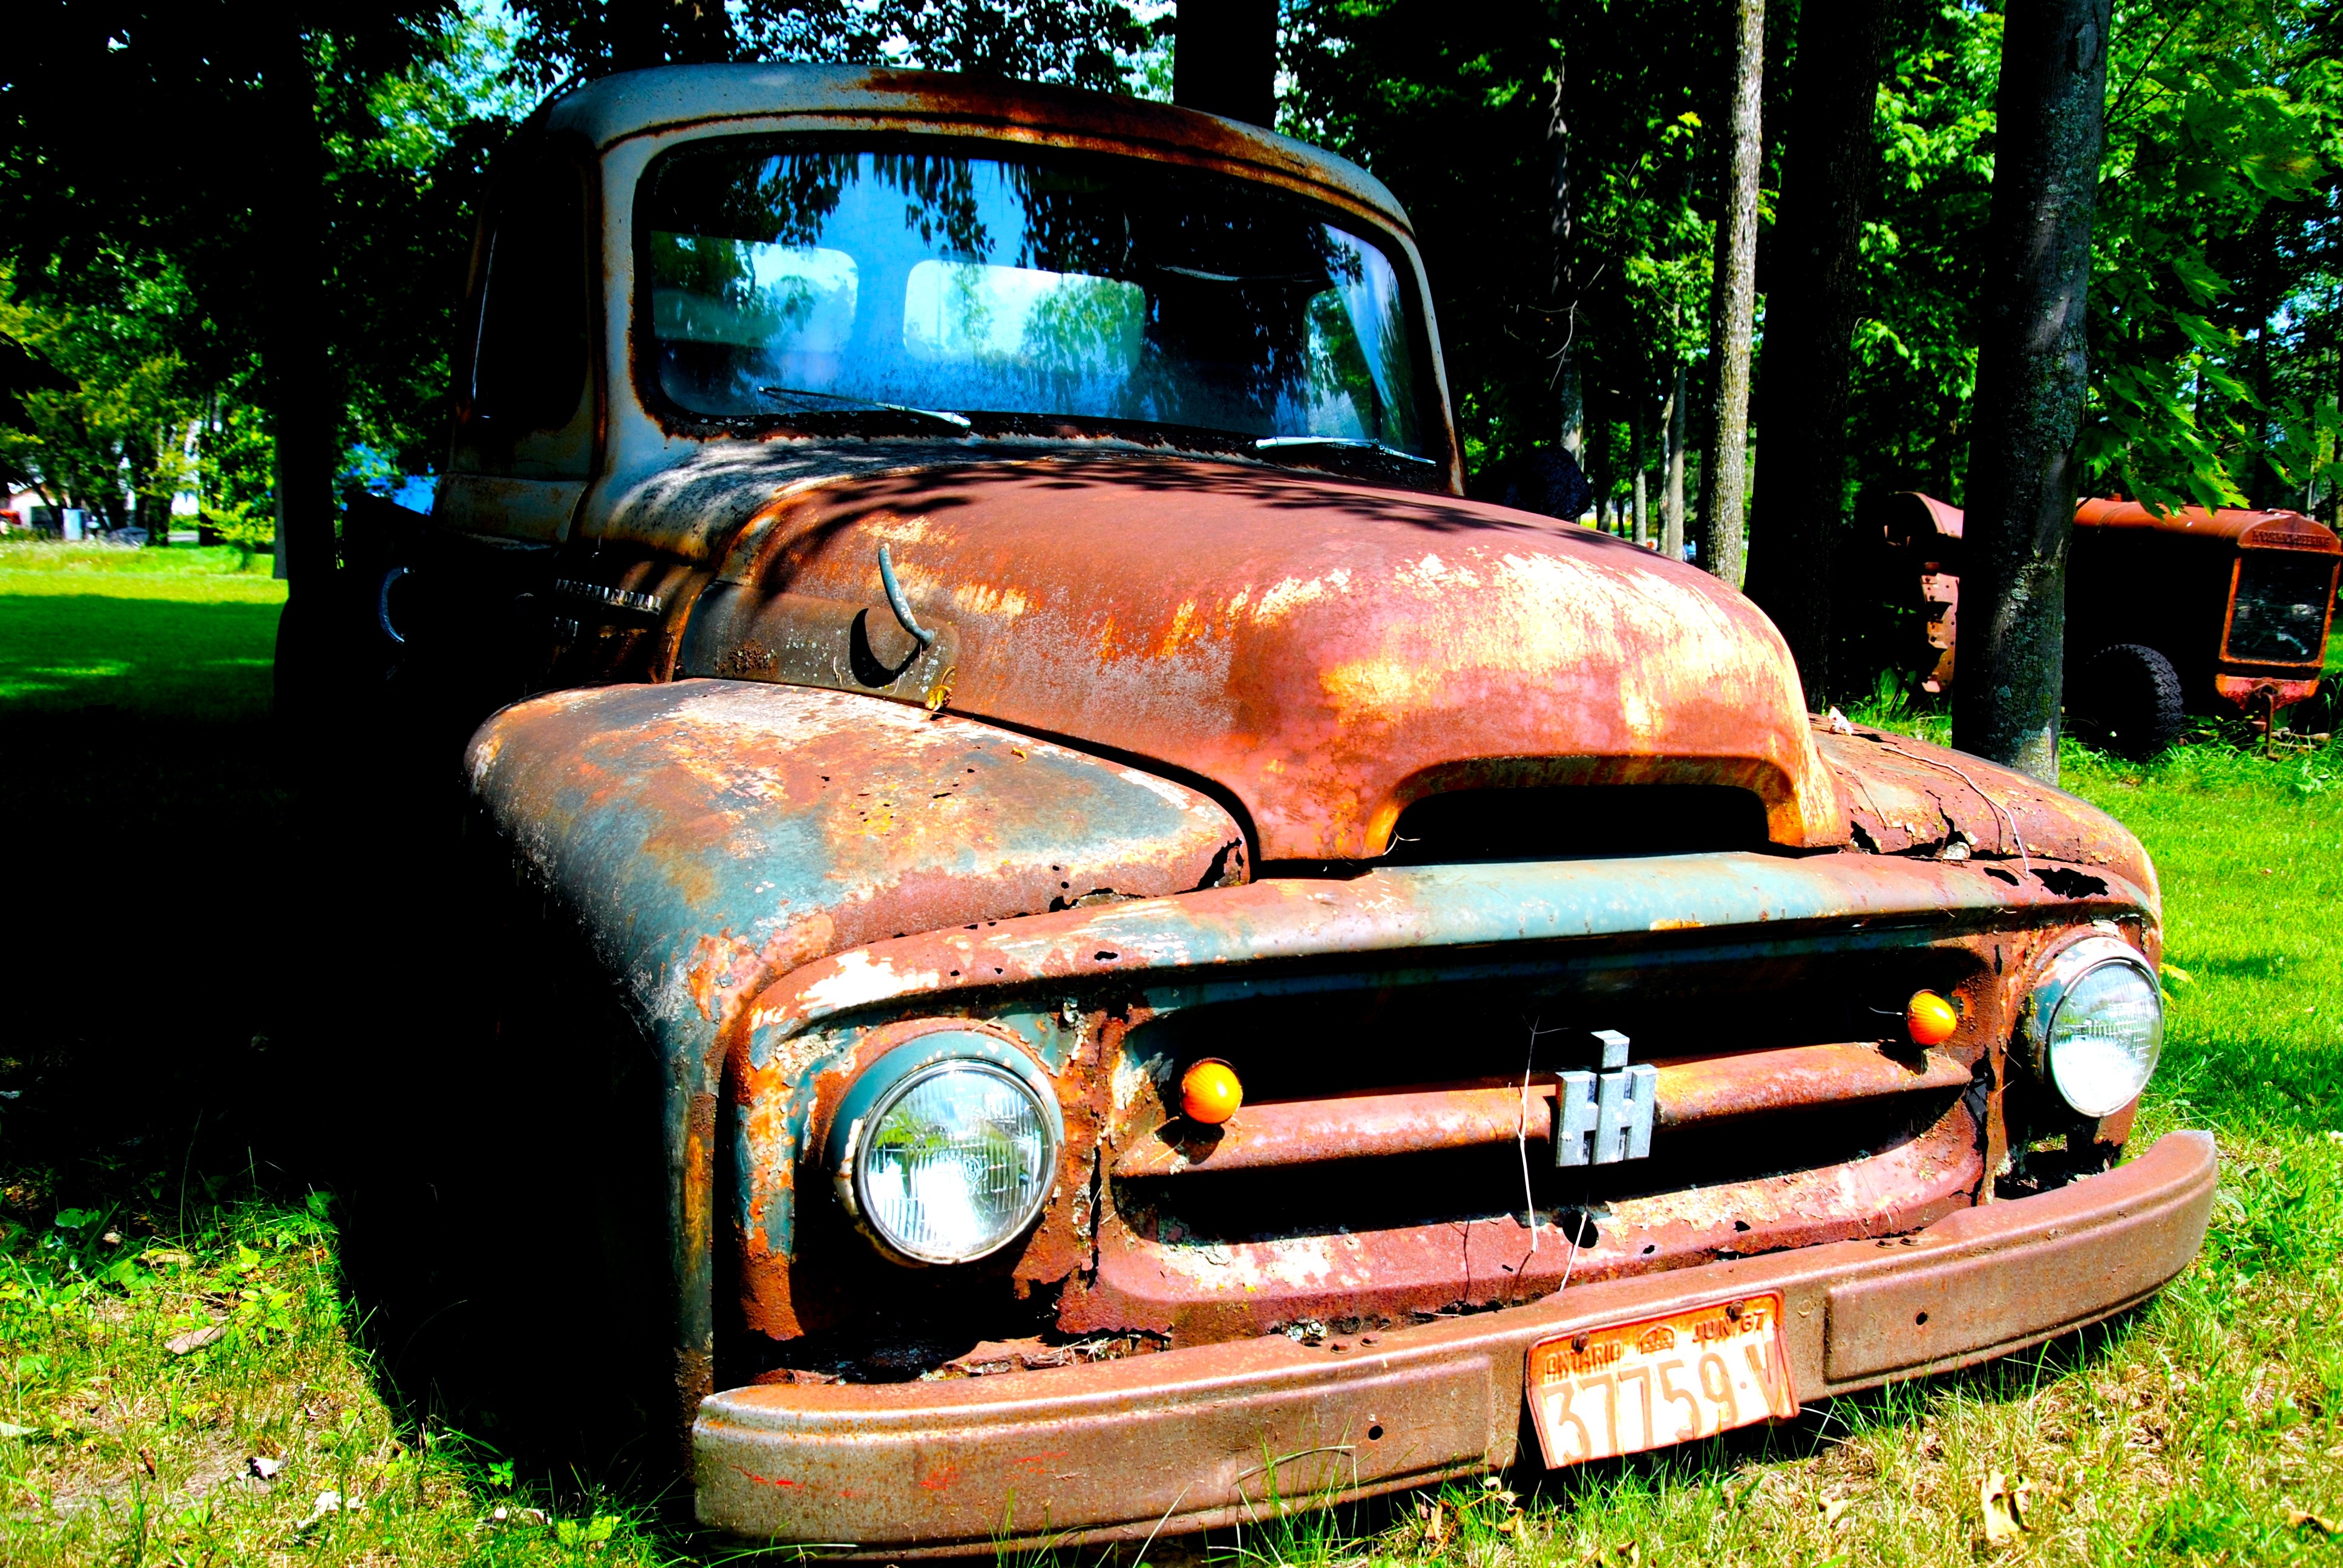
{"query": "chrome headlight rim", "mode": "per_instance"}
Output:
(896, 1074)
(2061, 973)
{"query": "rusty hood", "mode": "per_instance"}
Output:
(1324, 652)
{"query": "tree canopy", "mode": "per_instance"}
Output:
(137, 242)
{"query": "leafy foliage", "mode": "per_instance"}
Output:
(108, 428)
(1085, 42)
(2214, 241)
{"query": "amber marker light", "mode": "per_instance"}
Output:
(1210, 1092)
(1931, 1018)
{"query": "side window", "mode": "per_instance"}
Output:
(532, 346)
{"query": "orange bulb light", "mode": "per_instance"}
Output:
(1210, 1092)
(1931, 1018)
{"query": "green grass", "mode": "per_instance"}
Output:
(151, 1185)
(180, 632)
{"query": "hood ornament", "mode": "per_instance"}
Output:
(898, 603)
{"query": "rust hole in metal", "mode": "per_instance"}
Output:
(1997, 874)
(1918, 1318)
(1105, 956)
(1374, 1435)
(2070, 884)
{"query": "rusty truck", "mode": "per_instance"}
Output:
(1169, 964)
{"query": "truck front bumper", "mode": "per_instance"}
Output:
(1189, 1439)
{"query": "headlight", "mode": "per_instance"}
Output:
(2096, 1022)
(948, 1149)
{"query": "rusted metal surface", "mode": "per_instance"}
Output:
(1156, 1274)
(1325, 675)
(1366, 1125)
(1926, 533)
(1194, 1438)
(710, 837)
(795, 870)
(1908, 798)
(1073, 987)
(2283, 530)
(2164, 579)
(1426, 909)
(2212, 550)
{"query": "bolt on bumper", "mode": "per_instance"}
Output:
(1190, 1439)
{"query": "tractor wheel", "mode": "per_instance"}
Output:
(2130, 695)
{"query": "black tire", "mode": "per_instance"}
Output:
(2129, 700)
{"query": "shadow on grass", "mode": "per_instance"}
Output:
(204, 663)
(148, 859)
(226, 946)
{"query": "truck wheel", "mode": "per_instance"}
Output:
(2130, 697)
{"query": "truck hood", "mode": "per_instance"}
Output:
(1323, 652)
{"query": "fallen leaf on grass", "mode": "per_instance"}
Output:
(9, 1429)
(2005, 1508)
(155, 1257)
(2296, 1519)
(195, 1339)
(329, 1503)
(146, 1458)
(1834, 1509)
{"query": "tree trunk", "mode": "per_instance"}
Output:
(634, 33)
(1733, 304)
(1672, 415)
(2030, 382)
(294, 357)
(1639, 420)
(150, 506)
(1224, 59)
(1810, 316)
(1596, 444)
(1561, 289)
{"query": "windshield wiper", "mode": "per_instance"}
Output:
(941, 416)
(1273, 443)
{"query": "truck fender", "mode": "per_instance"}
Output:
(708, 837)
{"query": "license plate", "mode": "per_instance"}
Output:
(1627, 1387)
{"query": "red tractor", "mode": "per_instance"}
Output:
(2167, 614)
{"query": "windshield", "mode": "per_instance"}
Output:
(787, 279)
(2281, 606)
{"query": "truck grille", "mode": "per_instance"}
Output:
(1355, 1184)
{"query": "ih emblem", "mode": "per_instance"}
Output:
(1602, 1117)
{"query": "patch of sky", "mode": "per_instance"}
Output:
(377, 473)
